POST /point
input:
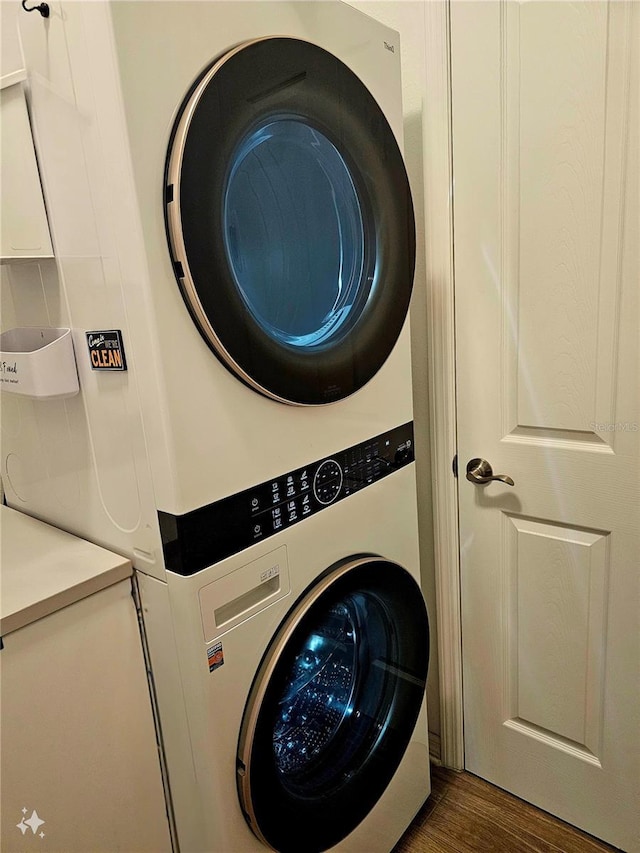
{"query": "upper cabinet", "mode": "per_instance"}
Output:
(12, 68)
(24, 231)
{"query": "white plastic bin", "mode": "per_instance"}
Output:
(38, 362)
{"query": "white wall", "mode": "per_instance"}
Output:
(30, 292)
(408, 18)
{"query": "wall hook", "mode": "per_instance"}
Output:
(43, 8)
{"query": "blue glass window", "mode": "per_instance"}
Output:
(337, 697)
(294, 234)
(320, 692)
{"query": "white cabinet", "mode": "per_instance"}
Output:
(11, 60)
(24, 230)
(79, 761)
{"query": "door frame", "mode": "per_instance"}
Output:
(440, 324)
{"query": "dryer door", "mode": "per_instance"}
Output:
(333, 706)
(290, 221)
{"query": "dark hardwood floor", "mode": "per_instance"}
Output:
(465, 814)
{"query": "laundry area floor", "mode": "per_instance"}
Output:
(465, 814)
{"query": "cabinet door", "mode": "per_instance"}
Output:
(79, 759)
(24, 230)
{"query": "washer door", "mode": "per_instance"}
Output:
(290, 221)
(333, 706)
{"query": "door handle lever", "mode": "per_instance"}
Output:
(480, 472)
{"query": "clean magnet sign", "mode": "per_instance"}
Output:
(106, 350)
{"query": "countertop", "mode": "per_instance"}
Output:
(43, 569)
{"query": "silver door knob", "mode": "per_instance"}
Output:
(480, 472)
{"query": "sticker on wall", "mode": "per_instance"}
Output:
(215, 656)
(106, 350)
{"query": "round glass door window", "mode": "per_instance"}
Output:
(333, 707)
(294, 233)
(290, 221)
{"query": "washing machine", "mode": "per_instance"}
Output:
(234, 243)
(303, 660)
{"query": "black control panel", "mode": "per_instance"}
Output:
(200, 538)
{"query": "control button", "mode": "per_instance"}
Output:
(277, 524)
(275, 497)
(292, 511)
(255, 503)
(327, 481)
(290, 491)
(275, 513)
(404, 453)
(257, 531)
(306, 505)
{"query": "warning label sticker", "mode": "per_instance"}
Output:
(215, 656)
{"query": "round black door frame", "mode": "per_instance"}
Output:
(257, 81)
(290, 823)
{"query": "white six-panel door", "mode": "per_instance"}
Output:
(546, 216)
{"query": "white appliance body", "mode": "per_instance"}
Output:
(137, 459)
(176, 430)
(250, 594)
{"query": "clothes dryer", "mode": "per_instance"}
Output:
(302, 662)
(226, 191)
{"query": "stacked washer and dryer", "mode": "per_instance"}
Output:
(226, 192)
